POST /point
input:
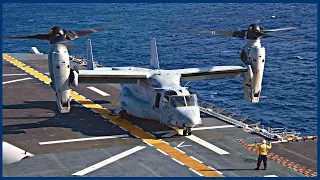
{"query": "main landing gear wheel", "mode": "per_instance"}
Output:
(187, 131)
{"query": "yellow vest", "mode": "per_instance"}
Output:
(263, 148)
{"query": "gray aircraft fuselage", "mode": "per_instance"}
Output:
(161, 98)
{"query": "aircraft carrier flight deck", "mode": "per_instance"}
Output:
(92, 141)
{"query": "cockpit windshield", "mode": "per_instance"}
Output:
(183, 101)
(192, 100)
(177, 101)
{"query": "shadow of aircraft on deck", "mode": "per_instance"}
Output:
(80, 119)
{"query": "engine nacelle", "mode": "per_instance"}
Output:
(255, 61)
(61, 69)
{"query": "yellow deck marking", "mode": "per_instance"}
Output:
(171, 151)
(27, 69)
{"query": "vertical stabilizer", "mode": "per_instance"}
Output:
(89, 56)
(154, 62)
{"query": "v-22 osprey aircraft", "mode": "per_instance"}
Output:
(154, 93)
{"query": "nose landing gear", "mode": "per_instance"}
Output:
(123, 114)
(187, 131)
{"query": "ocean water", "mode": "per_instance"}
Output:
(290, 76)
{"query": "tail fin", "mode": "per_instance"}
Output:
(89, 56)
(154, 62)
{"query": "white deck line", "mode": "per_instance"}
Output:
(177, 161)
(179, 150)
(197, 129)
(98, 91)
(125, 130)
(83, 139)
(151, 134)
(162, 152)
(138, 127)
(212, 127)
(14, 74)
(215, 170)
(164, 141)
(147, 143)
(270, 176)
(195, 172)
(196, 159)
(207, 145)
(17, 80)
(108, 161)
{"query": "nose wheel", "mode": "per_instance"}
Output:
(187, 131)
(123, 114)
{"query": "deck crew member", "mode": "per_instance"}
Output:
(262, 151)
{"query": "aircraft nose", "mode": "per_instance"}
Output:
(189, 116)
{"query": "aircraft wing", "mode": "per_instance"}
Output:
(111, 76)
(213, 72)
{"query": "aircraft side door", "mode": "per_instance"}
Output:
(157, 107)
(166, 111)
(157, 102)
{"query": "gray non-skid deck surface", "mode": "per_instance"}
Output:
(30, 116)
(146, 162)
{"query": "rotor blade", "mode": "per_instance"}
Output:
(76, 34)
(278, 29)
(262, 35)
(37, 36)
(205, 32)
(240, 33)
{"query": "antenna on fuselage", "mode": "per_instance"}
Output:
(186, 84)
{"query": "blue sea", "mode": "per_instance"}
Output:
(290, 77)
